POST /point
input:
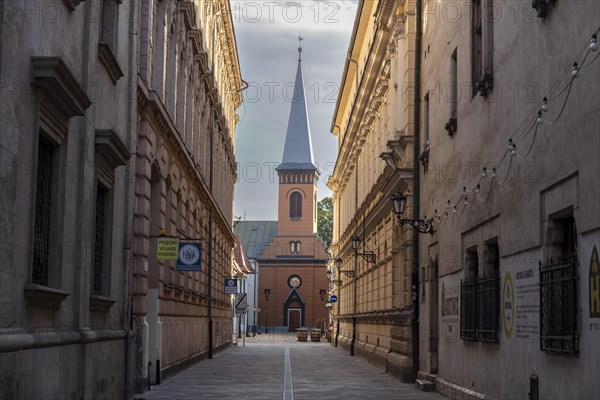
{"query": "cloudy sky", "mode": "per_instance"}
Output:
(267, 39)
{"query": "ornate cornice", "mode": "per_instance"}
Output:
(151, 106)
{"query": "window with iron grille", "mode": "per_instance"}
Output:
(99, 257)
(476, 43)
(43, 212)
(558, 291)
(479, 305)
(468, 309)
(558, 305)
(487, 308)
(296, 205)
(480, 297)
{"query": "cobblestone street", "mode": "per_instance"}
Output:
(277, 366)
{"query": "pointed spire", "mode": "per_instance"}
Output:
(298, 153)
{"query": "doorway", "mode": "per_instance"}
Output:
(294, 317)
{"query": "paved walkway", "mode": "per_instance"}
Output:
(276, 366)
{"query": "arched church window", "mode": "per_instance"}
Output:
(296, 205)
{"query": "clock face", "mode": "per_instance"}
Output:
(294, 281)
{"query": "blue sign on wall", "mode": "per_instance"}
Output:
(333, 298)
(190, 255)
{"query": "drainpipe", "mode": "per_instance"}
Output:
(127, 311)
(416, 188)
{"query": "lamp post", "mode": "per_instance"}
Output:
(266, 321)
(267, 294)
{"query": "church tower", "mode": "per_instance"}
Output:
(298, 175)
(291, 258)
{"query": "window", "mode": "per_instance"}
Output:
(479, 296)
(476, 44)
(109, 34)
(488, 295)
(100, 240)
(468, 297)
(482, 46)
(295, 247)
(43, 211)
(296, 205)
(452, 124)
(558, 291)
(111, 153)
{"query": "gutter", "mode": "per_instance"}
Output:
(416, 187)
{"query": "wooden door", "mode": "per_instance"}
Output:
(293, 319)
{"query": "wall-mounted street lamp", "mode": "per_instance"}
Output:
(421, 225)
(267, 293)
(348, 272)
(330, 275)
(322, 294)
(368, 255)
(337, 282)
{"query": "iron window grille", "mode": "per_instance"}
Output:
(558, 305)
(101, 206)
(479, 309)
(43, 210)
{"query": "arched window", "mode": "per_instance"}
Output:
(296, 205)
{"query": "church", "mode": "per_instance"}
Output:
(291, 260)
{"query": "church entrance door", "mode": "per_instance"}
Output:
(294, 318)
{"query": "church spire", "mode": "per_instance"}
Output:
(298, 153)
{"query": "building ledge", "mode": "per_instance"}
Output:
(53, 78)
(72, 4)
(101, 303)
(109, 60)
(43, 296)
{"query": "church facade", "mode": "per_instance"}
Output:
(292, 282)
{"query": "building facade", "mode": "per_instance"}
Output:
(374, 123)
(118, 135)
(509, 281)
(292, 281)
(66, 200)
(187, 96)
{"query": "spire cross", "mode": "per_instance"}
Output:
(300, 39)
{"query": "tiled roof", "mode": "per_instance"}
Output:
(242, 263)
(255, 236)
(298, 153)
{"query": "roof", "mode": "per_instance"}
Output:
(242, 263)
(255, 236)
(298, 153)
(294, 295)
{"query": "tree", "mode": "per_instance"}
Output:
(325, 219)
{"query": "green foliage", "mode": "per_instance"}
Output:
(325, 219)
